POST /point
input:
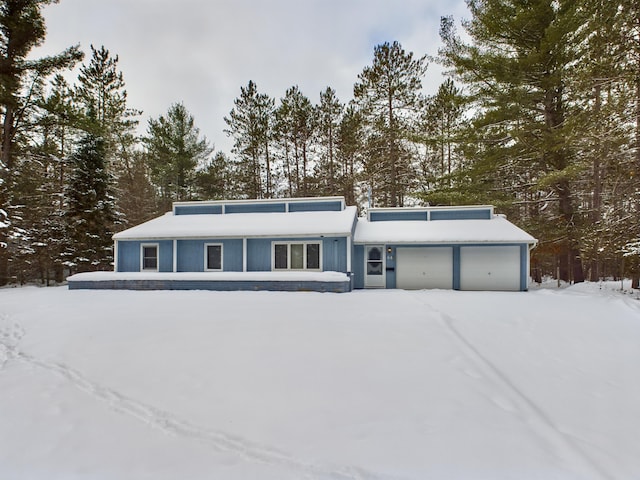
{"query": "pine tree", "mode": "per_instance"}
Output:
(214, 179)
(101, 93)
(443, 120)
(21, 29)
(175, 150)
(101, 97)
(137, 195)
(350, 151)
(389, 95)
(296, 126)
(91, 214)
(517, 70)
(329, 113)
(250, 127)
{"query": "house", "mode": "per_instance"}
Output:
(317, 244)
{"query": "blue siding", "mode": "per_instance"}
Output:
(334, 254)
(315, 206)
(191, 255)
(232, 252)
(399, 215)
(129, 255)
(357, 263)
(165, 262)
(255, 208)
(479, 214)
(390, 265)
(197, 209)
(258, 255)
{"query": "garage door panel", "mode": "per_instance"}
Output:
(490, 268)
(424, 267)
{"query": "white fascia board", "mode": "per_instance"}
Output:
(261, 200)
(235, 237)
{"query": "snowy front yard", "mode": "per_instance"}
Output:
(270, 385)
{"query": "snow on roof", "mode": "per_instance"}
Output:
(496, 230)
(308, 224)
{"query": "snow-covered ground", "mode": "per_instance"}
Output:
(365, 385)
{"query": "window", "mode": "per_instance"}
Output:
(374, 261)
(296, 256)
(213, 257)
(150, 257)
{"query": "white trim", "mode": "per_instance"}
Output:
(304, 256)
(115, 256)
(142, 247)
(349, 254)
(262, 200)
(206, 248)
(175, 255)
(383, 277)
(232, 237)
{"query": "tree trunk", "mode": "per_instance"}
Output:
(596, 207)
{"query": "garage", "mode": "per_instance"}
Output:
(424, 267)
(490, 268)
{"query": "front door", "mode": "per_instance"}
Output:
(374, 267)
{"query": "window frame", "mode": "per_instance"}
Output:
(304, 244)
(142, 257)
(206, 256)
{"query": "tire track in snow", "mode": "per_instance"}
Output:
(533, 415)
(171, 424)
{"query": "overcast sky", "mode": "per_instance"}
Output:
(200, 52)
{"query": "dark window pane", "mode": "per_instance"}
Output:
(297, 256)
(313, 256)
(281, 256)
(214, 257)
(150, 258)
(374, 268)
(375, 253)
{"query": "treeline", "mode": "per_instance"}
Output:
(540, 116)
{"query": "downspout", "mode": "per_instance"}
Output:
(349, 255)
(175, 255)
(244, 254)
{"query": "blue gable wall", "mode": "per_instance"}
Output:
(191, 255)
(315, 206)
(476, 214)
(357, 264)
(129, 255)
(399, 215)
(255, 208)
(197, 209)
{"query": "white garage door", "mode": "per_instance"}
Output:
(490, 268)
(424, 267)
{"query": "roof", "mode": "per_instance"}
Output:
(291, 224)
(496, 230)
